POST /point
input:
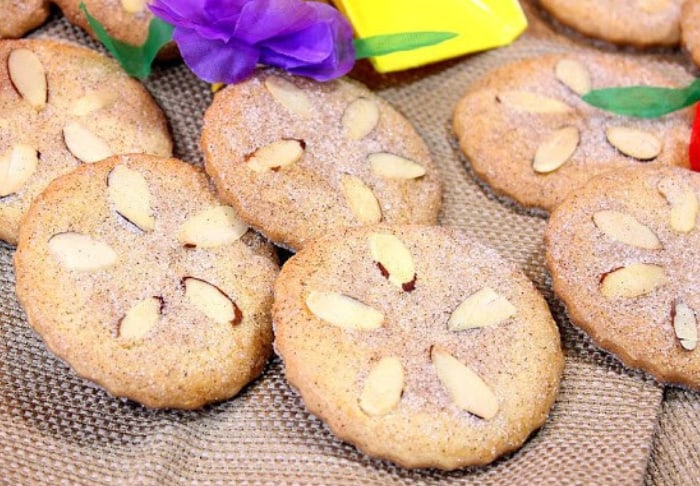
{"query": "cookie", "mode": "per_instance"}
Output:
(124, 20)
(21, 16)
(417, 344)
(143, 282)
(62, 106)
(528, 134)
(298, 158)
(623, 254)
(640, 23)
(690, 29)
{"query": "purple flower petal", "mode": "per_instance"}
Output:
(216, 61)
(265, 19)
(223, 40)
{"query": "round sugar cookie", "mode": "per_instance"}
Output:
(640, 23)
(527, 132)
(417, 344)
(21, 16)
(62, 106)
(623, 253)
(298, 158)
(125, 20)
(143, 282)
(690, 29)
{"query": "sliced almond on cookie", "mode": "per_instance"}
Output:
(482, 309)
(128, 191)
(93, 101)
(133, 6)
(684, 204)
(79, 252)
(343, 311)
(85, 145)
(288, 95)
(360, 118)
(532, 103)
(212, 227)
(394, 260)
(16, 166)
(685, 325)
(362, 201)
(574, 75)
(390, 166)
(634, 143)
(556, 150)
(633, 280)
(276, 155)
(383, 387)
(467, 390)
(140, 319)
(212, 301)
(626, 229)
(28, 77)
(653, 6)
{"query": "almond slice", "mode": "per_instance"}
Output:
(83, 144)
(140, 319)
(133, 6)
(343, 311)
(212, 227)
(128, 191)
(16, 167)
(93, 101)
(288, 95)
(685, 325)
(533, 103)
(467, 390)
(634, 143)
(276, 155)
(383, 387)
(626, 229)
(573, 75)
(212, 301)
(28, 77)
(684, 204)
(362, 201)
(360, 118)
(633, 281)
(556, 150)
(653, 6)
(394, 260)
(79, 252)
(390, 166)
(481, 309)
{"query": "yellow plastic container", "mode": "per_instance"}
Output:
(481, 24)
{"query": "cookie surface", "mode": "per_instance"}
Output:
(623, 255)
(61, 106)
(145, 284)
(640, 23)
(125, 20)
(21, 16)
(527, 132)
(297, 158)
(381, 331)
(690, 28)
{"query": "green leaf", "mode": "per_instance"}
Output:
(136, 60)
(379, 45)
(644, 101)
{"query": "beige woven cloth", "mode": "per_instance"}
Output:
(609, 425)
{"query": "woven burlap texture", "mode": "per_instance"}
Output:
(56, 428)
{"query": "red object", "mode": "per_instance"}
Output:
(694, 149)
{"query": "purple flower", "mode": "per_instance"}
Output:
(223, 40)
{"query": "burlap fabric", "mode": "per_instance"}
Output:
(609, 425)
